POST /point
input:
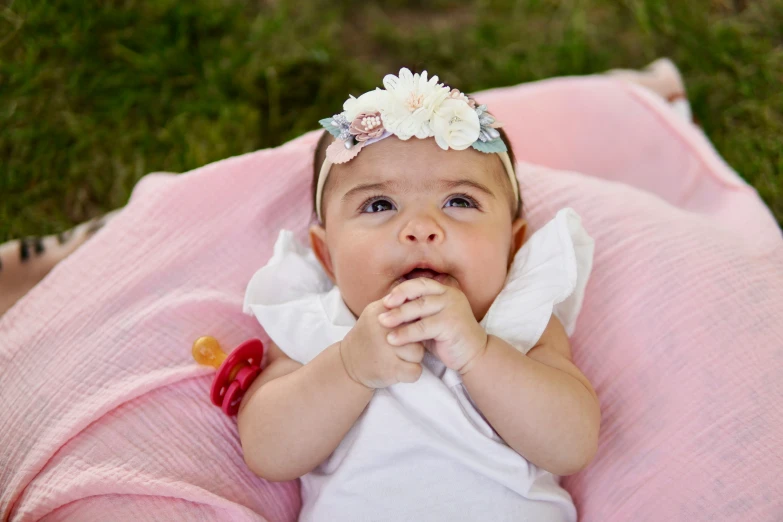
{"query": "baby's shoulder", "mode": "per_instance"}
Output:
(274, 353)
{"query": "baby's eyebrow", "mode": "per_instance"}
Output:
(452, 184)
(388, 186)
(368, 187)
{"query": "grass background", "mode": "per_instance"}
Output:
(93, 95)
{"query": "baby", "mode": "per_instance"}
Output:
(420, 367)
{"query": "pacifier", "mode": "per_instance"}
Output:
(235, 372)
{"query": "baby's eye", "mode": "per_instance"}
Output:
(462, 201)
(377, 205)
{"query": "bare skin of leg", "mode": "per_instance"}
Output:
(660, 76)
(24, 262)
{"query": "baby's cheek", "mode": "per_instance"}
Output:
(359, 284)
(486, 278)
(353, 295)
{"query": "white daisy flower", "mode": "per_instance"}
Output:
(411, 102)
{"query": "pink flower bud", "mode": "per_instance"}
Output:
(367, 125)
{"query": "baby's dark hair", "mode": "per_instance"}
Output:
(324, 141)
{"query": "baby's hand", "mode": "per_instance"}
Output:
(442, 318)
(371, 361)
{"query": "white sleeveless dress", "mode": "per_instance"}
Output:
(422, 451)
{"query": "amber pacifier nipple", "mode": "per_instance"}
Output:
(206, 351)
(235, 372)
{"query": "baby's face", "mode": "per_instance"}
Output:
(401, 204)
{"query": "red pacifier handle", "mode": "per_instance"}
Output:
(236, 371)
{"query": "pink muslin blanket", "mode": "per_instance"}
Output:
(106, 416)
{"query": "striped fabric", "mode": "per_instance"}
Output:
(106, 417)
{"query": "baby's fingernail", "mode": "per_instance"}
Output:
(387, 299)
(384, 315)
(391, 337)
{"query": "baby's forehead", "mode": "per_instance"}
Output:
(419, 162)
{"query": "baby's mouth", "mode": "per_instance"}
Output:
(421, 272)
(440, 277)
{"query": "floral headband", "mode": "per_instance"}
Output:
(411, 106)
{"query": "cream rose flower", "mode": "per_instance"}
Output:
(369, 102)
(455, 125)
(412, 100)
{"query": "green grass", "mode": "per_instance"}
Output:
(94, 97)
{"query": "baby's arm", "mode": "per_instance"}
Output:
(540, 403)
(294, 416)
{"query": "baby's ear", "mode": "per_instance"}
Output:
(518, 232)
(321, 250)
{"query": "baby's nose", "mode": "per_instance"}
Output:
(422, 230)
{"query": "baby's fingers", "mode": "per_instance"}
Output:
(423, 306)
(408, 372)
(413, 352)
(413, 289)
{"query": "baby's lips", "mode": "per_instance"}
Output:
(397, 282)
(447, 280)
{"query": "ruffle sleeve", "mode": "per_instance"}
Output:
(295, 301)
(548, 276)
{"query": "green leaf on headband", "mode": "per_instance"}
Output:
(333, 129)
(495, 145)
